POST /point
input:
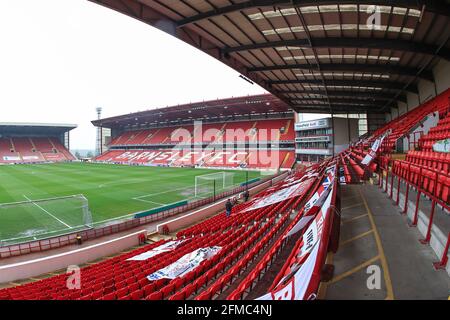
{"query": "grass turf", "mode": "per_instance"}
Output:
(112, 191)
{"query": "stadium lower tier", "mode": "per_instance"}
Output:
(257, 159)
(32, 150)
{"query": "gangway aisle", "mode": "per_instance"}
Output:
(380, 257)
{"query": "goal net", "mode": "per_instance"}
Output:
(42, 218)
(207, 184)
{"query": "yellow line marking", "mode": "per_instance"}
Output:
(359, 236)
(355, 269)
(384, 264)
(352, 206)
(351, 197)
(322, 292)
(354, 218)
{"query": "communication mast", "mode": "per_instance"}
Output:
(98, 145)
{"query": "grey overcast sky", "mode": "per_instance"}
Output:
(60, 59)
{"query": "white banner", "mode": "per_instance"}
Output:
(30, 158)
(281, 195)
(373, 151)
(303, 222)
(296, 287)
(313, 206)
(314, 232)
(293, 286)
(185, 264)
(322, 188)
(11, 158)
(166, 247)
(442, 146)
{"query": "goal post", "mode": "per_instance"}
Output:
(206, 183)
(34, 219)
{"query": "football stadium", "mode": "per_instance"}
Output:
(245, 198)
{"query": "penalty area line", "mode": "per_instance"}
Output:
(60, 221)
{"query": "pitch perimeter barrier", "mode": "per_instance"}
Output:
(250, 182)
(160, 209)
(101, 231)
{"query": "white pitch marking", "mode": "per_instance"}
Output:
(148, 201)
(47, 212)
(158, 193)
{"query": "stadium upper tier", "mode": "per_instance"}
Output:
(229, 132)
(32, 150)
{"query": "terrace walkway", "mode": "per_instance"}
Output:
(379, 250)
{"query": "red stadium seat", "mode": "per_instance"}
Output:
(155, 296)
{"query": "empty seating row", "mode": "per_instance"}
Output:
(32, 149)
(403, 124)
(435, 183)
(247, 284)
(113, 276)
(221, 222)
(230, 254)
(440, 132)
(435, 160)
(235, 269)
(227, 277)
(260, 130)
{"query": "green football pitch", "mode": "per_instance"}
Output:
(112, 192)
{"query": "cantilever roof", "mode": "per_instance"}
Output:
(34, 128)
(316, 55)
(219, 110)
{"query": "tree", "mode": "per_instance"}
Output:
(77, 155)
(90, 154)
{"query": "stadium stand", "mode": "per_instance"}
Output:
(41, 143)
(230, 132)
(232, 144)
(404, 124)
(32, 150)
(421, 167)
(418, 181)
(251, 239)
(7, 152)
(243, 237)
